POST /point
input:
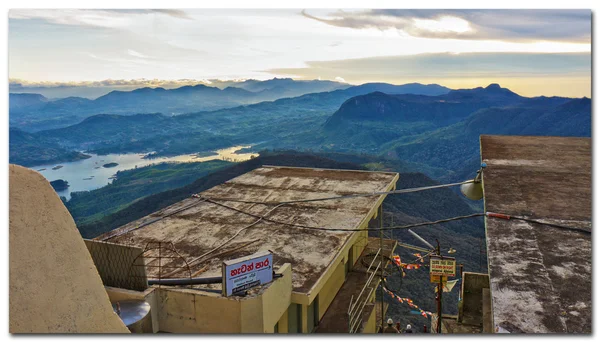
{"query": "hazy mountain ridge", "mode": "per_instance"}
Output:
(30, 111)
(202, 131)
(392, 125)
(48, 114)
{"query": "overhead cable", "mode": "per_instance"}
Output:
(369, 194)
(509, 217)
(119, 233)
(204, 199)
(260, 218)
(300, 226)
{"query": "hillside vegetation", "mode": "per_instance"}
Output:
(28, 150)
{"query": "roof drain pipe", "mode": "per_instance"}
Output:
(186, 281)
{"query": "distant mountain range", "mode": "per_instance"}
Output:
(34, 112)
(427, 125)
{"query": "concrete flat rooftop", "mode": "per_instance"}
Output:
(196, 227)
(540, 276)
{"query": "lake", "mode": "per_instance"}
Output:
(89, 174)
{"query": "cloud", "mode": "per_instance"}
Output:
(442, 65)
(108, 18)
(136, 54)
(510, 25)
(340, 79)
(173, 13)
(142, 82)
(529, 74)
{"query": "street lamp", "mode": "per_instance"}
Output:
(474, 190)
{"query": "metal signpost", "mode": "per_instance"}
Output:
(247, 272)
(440, 268)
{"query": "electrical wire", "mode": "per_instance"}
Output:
(509, 217)
(379, 193)
(152, 221)
(300, 226)
(204, 199)
(260, 218)
(582, 230)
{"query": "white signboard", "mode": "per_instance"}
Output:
(442, 266)
(247, 272)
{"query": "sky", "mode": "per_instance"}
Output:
(532, 52)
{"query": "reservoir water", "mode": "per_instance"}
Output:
(89, 174)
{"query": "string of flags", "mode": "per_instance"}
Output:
(411, 266)
(448, 286)
(409, 302)
(419, 257)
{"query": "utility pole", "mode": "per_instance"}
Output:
(439, 294)
(382, 260)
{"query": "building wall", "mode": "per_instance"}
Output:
(335, 276)
(189, 311)
(370, 326)
(277, 299)
(294, 314)
(471, 306)
(328, 292)
(283, 323)
(54, 286)
(192, 311)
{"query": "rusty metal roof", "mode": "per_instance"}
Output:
(540, 276)
(195, 230)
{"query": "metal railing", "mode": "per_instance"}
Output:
(356, 307)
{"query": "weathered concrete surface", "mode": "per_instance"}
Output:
(540, 276)
(198, 229)
(54, 286)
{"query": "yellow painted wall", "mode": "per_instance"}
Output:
(283, 323)
(330, 290)
(333, 279)
(305, 319)
(192, 311)
(277, 298)
(371, 325)
(251, 316)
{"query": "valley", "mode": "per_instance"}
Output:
(99, 170)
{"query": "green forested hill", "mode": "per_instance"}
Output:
(28, 150)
